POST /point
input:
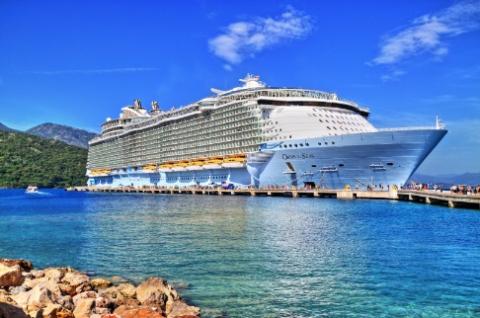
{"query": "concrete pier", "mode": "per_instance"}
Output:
(449, 199)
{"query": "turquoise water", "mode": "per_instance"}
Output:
(261, 257)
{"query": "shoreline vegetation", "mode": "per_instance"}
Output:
(27, 159)
(63, 292)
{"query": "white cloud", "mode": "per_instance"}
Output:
(392, 76)
(245, 38)
(427, 33)
(96, 71)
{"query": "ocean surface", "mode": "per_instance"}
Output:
(258, 256)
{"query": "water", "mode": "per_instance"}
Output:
(261, 257)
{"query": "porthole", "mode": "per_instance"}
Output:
(340, 164)
(389, 163)
(307, 144)
(301, 145)
(296, 145)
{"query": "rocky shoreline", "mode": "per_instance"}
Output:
(63, 292)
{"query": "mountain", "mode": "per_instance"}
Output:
(69, 135)
(26, 159)
(5, 128)
(448, 179)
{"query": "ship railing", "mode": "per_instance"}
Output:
(407, 128)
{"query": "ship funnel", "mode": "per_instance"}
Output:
(155, 106)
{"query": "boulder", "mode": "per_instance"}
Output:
(10, 275)
(113, 295)
(180, 309)
(127, 290)
(39, 297)
(29, 283)
(10, 311)
(24, 265)
(156, 292)
(84, 295)
(137, 312)
(100, 283)
(75, 279)
(55, 274)
(51, 311)
(84, 308)
(5, 297)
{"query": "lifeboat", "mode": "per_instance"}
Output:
(151, 167)
(99, 172)
(213, 163)
(196, 164)
(234, 161)
(180, 165)
(166, 167)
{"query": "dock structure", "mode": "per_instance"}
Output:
(445, 198)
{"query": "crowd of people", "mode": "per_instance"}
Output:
(457, 188)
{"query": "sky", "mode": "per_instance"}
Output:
(78, 62)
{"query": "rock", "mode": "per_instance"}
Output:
(5, 297)
(24, 265)
(118, 280)
(51, 311)
(100, 283)
(10, 311)
(102, 310)
(75, 279)
(84, 295)
(137, 312)
(29, 283)
(181, 310)
(84, 307)
(156, 292)
(10, 275)
(40, 297)
(63, 313)
(113, 295)
(127, 290)
(17, 289)
(66, 302)
(37, 273)
(102, 302)
(55, 274)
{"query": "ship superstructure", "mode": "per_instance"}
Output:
(254, 135)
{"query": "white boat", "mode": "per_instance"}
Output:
(31, 189)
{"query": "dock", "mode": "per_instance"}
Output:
(445, 198)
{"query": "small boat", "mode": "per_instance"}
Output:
(31, 189)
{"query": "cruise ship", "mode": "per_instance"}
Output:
(256, 136)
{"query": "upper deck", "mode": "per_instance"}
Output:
(135, 118)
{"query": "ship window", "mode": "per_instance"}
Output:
(326, 143)
(301, 145)
(314, 166)
(340, 164)
(319, 143)
(307, 144)
(290, 145)
(296, 145)
(329, 128)
(333, 142)
(389, 163)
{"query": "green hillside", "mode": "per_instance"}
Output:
(27, 159)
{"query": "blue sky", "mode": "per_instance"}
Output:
(77, 63)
